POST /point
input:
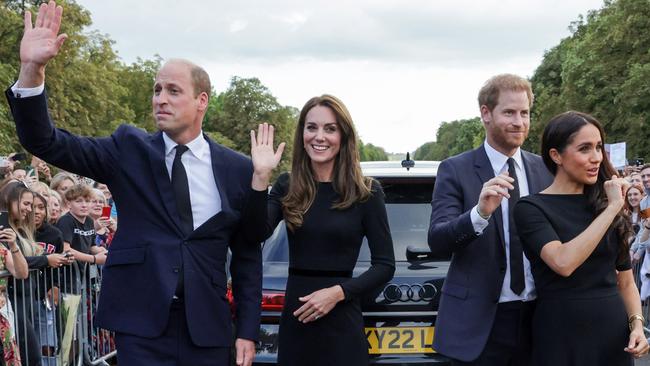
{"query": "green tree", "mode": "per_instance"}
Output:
(370, 152)
(452, 138)
(601, 69)
(242, 107)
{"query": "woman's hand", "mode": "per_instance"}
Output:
(9, 236)
(319, 303)
(615, 189)
(638, 344)
(263, 156)
(57, 260)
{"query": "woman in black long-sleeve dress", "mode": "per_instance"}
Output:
(575, 235)
(328, 207)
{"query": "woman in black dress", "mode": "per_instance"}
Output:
(328, 207)
(575, 234)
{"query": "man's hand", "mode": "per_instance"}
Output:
(493, 192)
(40, 43)
(245, 352)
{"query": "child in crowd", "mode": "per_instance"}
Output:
(78, 227)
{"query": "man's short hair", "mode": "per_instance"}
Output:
(78, 190)
(200, 78)
(644, 167)
(489, 93)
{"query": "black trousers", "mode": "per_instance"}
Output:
(509, 342)
(173, 348)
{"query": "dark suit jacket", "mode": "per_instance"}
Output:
(149, 248)
(472, 288)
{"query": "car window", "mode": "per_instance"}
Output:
(408, 206)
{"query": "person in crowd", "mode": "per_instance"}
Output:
(644, 171)
(12, 260)
(78, 228)
(322, 304)
(635, 178)
(54, 206)
(577, 238)
(40, 188)
(184, 201)
(489, 285)
(19, 174)
(105, 226)
(60, 183)
(17, 200)
(634, 195)
(41, 170)
(51, 240)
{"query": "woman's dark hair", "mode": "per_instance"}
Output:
(558, 134)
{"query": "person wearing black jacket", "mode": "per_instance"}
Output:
(50, 239)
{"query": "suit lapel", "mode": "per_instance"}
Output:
(161, 178)
(485, 172)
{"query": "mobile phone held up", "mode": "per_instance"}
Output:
(106, 212)
(4, 219)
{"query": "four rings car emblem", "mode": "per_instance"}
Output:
(409, 292)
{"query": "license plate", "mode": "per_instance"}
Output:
(399, 340)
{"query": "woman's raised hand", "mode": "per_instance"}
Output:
(615, 189)
(265, 158)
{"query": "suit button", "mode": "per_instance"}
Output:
(176, 270)
(502, 269)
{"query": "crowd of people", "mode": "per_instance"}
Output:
(53, 221)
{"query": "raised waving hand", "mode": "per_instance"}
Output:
(41, 42)
(265, 158)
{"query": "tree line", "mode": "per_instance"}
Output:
(91, 90)
(602, 68)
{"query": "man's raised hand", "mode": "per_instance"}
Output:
(41, 42)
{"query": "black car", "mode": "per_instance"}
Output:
(399, 317)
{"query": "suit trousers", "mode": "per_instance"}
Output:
(509, 343)
(173, 348)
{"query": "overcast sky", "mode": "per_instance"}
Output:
(400, 66)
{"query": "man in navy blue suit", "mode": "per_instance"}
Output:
(488, 296)
(184, 200)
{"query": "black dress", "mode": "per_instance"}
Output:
(579, 319)
(323, 253)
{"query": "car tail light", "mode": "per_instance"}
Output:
(272, 300)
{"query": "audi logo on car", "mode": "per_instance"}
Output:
(408, 293)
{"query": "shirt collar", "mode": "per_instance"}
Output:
(198, 147)
(498, 160)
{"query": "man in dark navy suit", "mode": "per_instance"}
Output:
(184, 200)
(488, 295)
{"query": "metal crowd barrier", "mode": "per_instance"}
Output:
(52, 312)
(645, 303)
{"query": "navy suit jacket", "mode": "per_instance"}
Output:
(472, 288)
(149, 248)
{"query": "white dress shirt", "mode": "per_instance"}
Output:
(499, 164)
(204, 194)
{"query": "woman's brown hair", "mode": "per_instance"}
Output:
(347, 179)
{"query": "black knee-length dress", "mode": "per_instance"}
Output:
(579, 319)
(322, 253)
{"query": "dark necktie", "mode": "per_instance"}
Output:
(517, 282)
(182, 191)
(183, 204)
